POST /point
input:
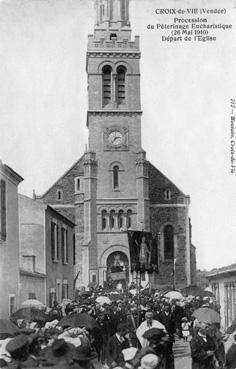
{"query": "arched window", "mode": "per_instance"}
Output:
(121, 219)
(167, 194)
(168, 242)
(121, 71)
(59, 195)
(115, 177)
(106, 85)
(104, 219)
(128, 219)
(112, 219)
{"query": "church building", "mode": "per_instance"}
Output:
(113, 188)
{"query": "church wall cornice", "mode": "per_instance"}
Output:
(113, 54)
(113, 113)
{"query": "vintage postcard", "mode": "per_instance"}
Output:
(120, 116)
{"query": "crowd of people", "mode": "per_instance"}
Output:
(128, 331)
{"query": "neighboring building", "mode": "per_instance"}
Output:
(201, 279)
(9, 240)
(113, 188)
(223, 285)
(46, 252)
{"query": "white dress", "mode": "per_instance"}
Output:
(185, 329)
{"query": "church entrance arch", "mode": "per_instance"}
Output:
(117, 269)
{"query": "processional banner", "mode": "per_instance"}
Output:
(143, 252)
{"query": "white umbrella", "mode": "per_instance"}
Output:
(33, 303)
(174, 295)
(103, 300)
(133, 292)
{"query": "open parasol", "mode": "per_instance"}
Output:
(195, 291)
(7, 329)
(78, 320)
(103, 300)
(207, 315)
(33, 303)
(174, 295)
(30, 314)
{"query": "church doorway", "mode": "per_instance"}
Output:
(117, 269)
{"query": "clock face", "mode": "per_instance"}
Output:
(115, 138)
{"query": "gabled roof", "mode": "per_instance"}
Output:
(159, 182)
(63, 175)
(8, 170)
(62, 216)
(167, 179)
(218, 271)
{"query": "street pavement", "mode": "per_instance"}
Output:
(182, 354)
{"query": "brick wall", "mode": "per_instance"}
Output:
(193, 265)
(177, 218)
(158, 183)
(66, 184)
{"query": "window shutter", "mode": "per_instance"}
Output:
(121, 85)
(52, 241)
(74, 252)
(66, 246)
(106, 80)
(62, 245)
(3, 229)
(57, 256)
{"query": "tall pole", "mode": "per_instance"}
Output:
(139, 295)
(174, 260)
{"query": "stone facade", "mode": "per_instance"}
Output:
(9, 240)
(41, 274)
(223, 285)
(113, 188)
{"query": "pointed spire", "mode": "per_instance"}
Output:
(112, 13)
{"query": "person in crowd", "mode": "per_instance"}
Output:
(185, 329)
(202, 349)
(218, 339)
(231, 355)
(158, 341)
(168, 320)
(178, 314)
(149, 310)
(18, 349)
(116, 344)
(145, 326)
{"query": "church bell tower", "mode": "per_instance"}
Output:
(116, 171)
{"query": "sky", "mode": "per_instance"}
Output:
(186, 89)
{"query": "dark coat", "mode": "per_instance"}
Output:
(199, 348)
(114, 350)
(231, 357)
(168, 321)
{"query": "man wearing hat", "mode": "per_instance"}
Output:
(18, 348)
(202, 349)
(146, 325)
(116, 344)
(158, 341)
(60, 354)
